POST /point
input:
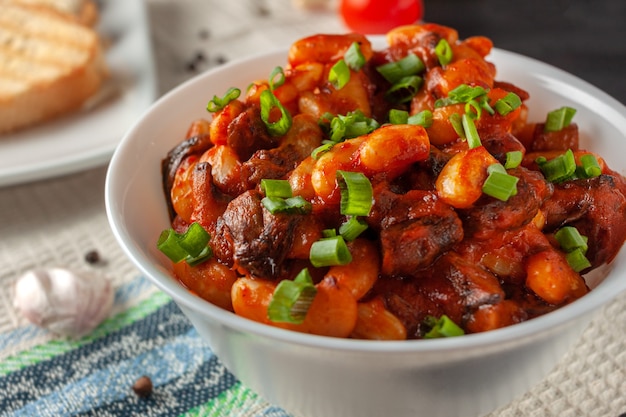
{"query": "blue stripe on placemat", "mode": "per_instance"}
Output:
(20, 335)
(96, 378)
(132, 290)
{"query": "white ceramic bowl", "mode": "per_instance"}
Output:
(314, 376)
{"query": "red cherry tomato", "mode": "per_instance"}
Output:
(380, 16)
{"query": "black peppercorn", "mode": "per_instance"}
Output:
(143, 387)
(92, 257)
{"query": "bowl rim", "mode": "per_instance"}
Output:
(537, 327)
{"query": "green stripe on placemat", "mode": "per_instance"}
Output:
(236, 398)
(57, 347)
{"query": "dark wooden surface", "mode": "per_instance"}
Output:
(584, 37)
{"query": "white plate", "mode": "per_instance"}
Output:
(88, 138)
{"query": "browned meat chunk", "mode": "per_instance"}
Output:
(499, 144)
(258, 240)
(303, 137)
(209, 202)
(194, 145)
(562, 140)
(451, 286)
(247, 134)
(475, 285)
(596, 207)
(415, 228)
(491, 215)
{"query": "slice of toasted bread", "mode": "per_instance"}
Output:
(83, 11)
(49, 65)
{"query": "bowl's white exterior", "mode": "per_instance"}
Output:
(314, 376)
(451, 381)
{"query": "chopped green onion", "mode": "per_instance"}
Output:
(329, 233)
(508, 103)
(461, 94)
(577, 260)
(423, 118)
(563, 167)
(325, 119)
(442, 327)
(356, 193)
(276, 82)
(352, 228)
(443, 52)
(168, 244)
(276, 188)
(569, 238)
(206, 254)
(330, 251)
(471, 134)
(496, 167)
(500, 185)
(457, 124)
(354, 57)
(352, 125)
(339, 74)
(269, 102)
(484, 104)
(590, 166)
(194, 240)
(405, 89)
(292, 205)
(473, 109)
(559, 119)
(191, 246)
(274, 204)
(298, 204)
(338, 129)
(218, 103)
(395, 71)
(317, 152)
(559, 169)
(513, 159)
(292, 299)
(475, 99)
(356, 128)
(398, 117)
(464, 93)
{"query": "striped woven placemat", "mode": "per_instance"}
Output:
(95, 375)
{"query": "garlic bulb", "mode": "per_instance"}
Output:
(62, 301)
